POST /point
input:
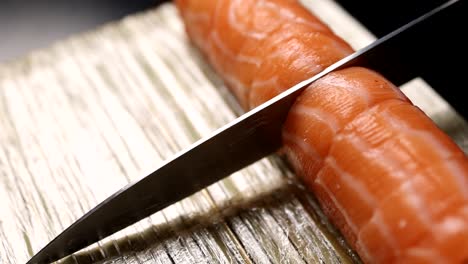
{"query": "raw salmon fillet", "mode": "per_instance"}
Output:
(261, 48)
(393, 183)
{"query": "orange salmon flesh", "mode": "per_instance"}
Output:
(388, 178)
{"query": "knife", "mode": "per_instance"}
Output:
(247, 139)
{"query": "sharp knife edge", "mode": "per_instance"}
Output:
(247, 139)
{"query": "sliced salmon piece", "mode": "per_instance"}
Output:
(261, 48)
(385, 174)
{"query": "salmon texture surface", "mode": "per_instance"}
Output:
(261, 48)
(393, 183)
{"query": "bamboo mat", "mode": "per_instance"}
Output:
(91, 113)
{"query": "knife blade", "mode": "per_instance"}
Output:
(247, 139)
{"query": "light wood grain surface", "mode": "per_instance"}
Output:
(88, 115)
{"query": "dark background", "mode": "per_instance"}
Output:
(31, 24)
